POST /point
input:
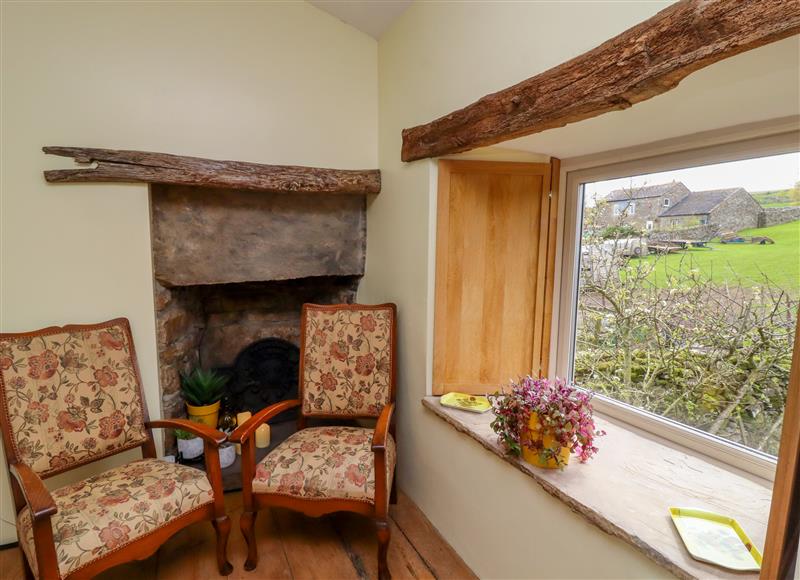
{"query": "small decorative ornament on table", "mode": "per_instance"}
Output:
(545, 421)
(227, 418)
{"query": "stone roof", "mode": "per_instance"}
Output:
(647, 191)
(700, 202)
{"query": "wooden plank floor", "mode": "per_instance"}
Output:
(290, 545)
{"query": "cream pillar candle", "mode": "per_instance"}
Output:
(262, 436)
(241, 419)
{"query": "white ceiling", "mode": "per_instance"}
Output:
(370, 16)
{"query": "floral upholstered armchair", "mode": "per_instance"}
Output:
(347, 371)
(72, 395)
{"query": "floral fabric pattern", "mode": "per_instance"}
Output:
(110, 510)
(71, 395)
(324, 463)
(347, 361)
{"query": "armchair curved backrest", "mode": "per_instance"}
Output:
(347, 359)
(70, 395)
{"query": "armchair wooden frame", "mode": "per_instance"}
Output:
(254, 501)
(28, 487)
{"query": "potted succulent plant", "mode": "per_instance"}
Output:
(202, 391)
(545, 421)
(189, 445)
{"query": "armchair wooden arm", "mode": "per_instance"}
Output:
(42, 506)
(212, 439)
(206, 433)
(243, 432)
(33, 490)
(379, 437)
(382, 428)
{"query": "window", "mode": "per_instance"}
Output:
(624, 208)
(666, 202)
(703, 220)
(649, 225)
(693, 343)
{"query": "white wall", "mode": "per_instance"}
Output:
(436, 58)
(264, 82)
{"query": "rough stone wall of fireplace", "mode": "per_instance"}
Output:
(232, 267)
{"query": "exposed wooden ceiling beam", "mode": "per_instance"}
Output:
(143, 166)
(642, 62)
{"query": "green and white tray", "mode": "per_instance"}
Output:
(716, 539)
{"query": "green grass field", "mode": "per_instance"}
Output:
(723, 263)
(778, 198)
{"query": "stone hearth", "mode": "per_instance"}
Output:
(233, 267)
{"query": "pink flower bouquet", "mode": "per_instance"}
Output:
(564, 414)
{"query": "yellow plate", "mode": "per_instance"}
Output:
(473, 403)
(716, 539)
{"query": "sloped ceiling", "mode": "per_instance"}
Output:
(370, 16)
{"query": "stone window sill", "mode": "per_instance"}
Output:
(627, 488)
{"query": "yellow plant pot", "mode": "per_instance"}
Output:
(207, 414)
(548, 442)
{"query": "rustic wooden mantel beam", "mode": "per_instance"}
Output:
(642, 62)
(143, 166)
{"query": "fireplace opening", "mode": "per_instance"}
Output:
(264, 373)
(248, 331)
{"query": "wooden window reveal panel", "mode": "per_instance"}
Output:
(494, 273)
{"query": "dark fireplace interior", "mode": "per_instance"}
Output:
(232, 270)
(263, 374)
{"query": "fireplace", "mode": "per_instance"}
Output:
(232, 270)
(264, 373)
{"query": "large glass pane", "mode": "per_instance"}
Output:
(688, 294)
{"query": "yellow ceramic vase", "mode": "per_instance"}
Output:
(548, 442)
(207, 414)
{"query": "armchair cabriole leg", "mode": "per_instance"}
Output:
(247, 522)
(222, 526)
(221, 521)
(384, 535)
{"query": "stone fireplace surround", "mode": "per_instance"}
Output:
(232, 267)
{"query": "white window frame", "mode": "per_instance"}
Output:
(733, 144)
(666, 202)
